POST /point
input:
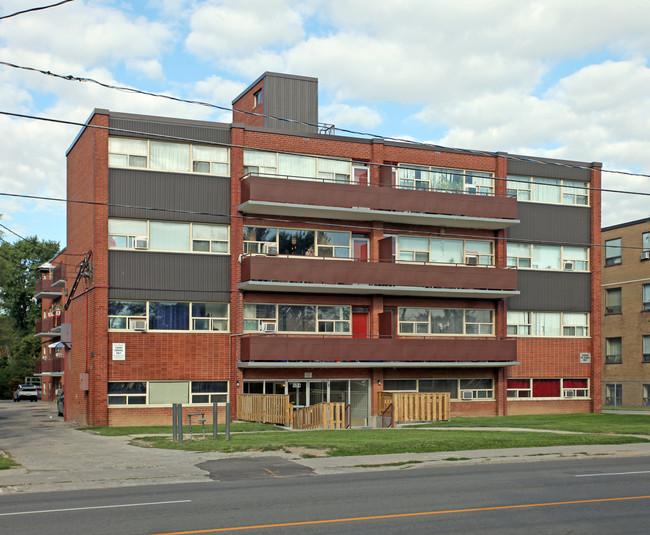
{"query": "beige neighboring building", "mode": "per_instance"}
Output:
(626, 320)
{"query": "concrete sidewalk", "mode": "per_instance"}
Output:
(54, 456)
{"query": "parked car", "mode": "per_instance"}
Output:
(26, 392)
(59, 404)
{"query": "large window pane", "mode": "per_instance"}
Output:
(127, 146)
(169, 156)
(547, 324)
(446, 321)
(127, 227)
(448, 251)
(297, 318)
(613, 253)
(297, 166)
(296, 242)
(546, 257)
(546, 190)
(169, 316)
(169, 236)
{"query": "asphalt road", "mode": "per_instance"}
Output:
(590, 496)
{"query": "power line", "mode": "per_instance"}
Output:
(35, 9)
(375, 164)
(316, 125)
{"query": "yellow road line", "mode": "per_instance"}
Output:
(404, 515)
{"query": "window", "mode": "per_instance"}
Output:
(552, 257)
(613, 301)
(127, 393)
(209, 391)
(555, 324)
(257, 97)
(400, 385)
(548, 388)
(476, 389)
(297, 242)
(168, 316)
(445, 321)
(124, 314)
(613, 350)
(613, 252)
(447, 180)
(168, 236)
(333, 319)
(646, 296)
(458, 389)
(548, 190)
(646, 348)
(164, 156)
(297, 166)
(443, 250)
(646, 394)
(645, 242)
(613, 394)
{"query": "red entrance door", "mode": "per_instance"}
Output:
(360, 324)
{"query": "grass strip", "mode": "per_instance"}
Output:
(6, 461)
(386, 441)
(627, 424)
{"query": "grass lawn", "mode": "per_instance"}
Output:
(384, 441)
(633, 424)
(6, 462)
(167, 429)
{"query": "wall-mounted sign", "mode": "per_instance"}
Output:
(585, 358)
(119, 351)
(296, 385)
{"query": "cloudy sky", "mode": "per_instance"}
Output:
(557, 78)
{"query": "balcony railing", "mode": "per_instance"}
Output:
(282, 273)
(283, 348)
(49, 326)
(310, 198)
(56, 365)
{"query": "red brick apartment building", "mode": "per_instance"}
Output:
(626, 323)
(269, 256)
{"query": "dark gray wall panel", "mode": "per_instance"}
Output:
(552, 223)
(291, 97)
(149, 127)
(171, 196)
(552, 169)
(552, 291)
(168, 276)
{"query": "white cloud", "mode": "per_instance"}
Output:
(150, 68)
(224, 31)
(345, 116)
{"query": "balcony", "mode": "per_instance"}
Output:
(285, 351)
(54, 366)
(50, 326)
(279, 196)
(51, 288)
(328, 276)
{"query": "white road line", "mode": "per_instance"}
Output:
(615, 474)
(95, 507)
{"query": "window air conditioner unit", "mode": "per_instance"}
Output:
(141, 243)
(569, 393)
(467, 395)
(645, 255)
(568, 266)
(270, 249)
(139, 325)
(471, 260)
(268, 327)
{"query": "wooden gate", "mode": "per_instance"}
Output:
(320, 416)
(415, 407)
(265, 408)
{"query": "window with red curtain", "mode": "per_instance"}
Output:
(546, 388)
(575, 383)
(518, 383)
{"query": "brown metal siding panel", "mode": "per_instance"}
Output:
(168, 276)
(331, 349)
(141, 127)
(552, 291)
(174, 197)
(552, 169)
(291, 98)
(551, 223)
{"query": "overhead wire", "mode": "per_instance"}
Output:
(32, 9)
(126, 89)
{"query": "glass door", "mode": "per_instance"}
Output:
(297, 391)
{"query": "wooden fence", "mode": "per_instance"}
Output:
(265, 408)
(415, 407)
(320, 416)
